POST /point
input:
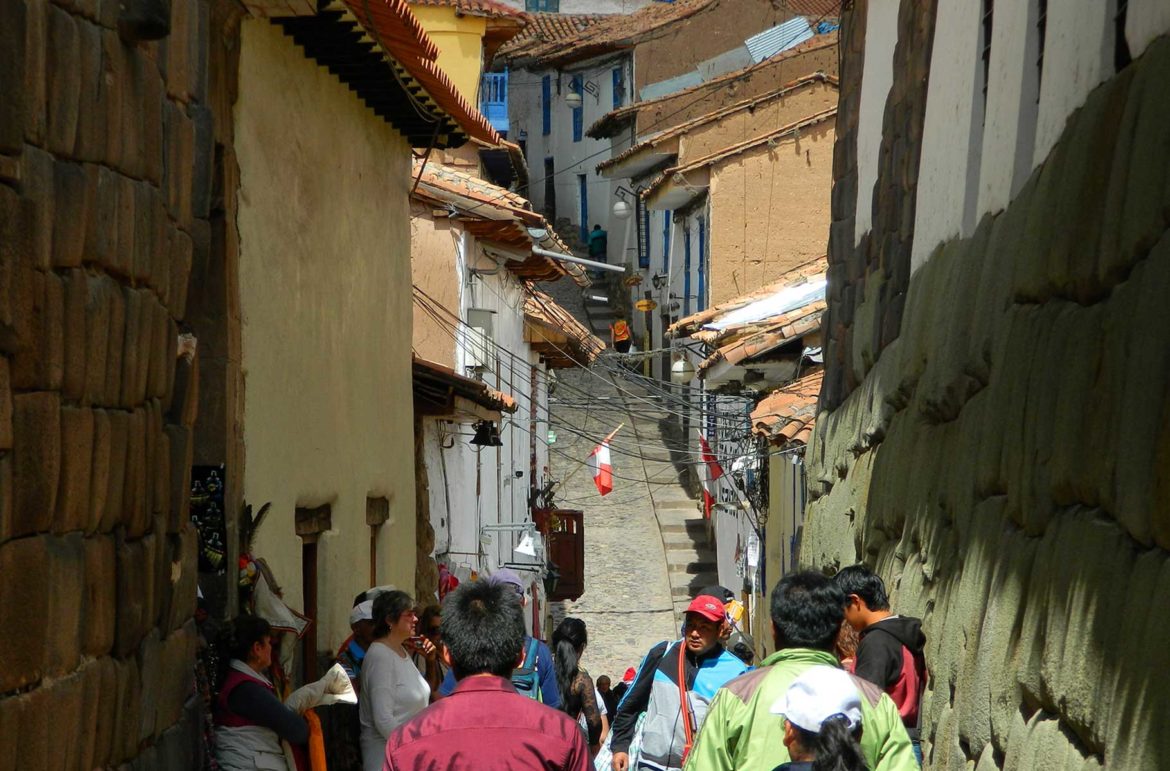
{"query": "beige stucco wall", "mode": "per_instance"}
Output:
(326, 299)
(460, 41)
(434, 247)
(748, 124)
(769, 211)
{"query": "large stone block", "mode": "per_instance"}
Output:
(13, 20)
(71, 192)
(135, 594)
(5, 406)
(178, 660)
(160, 361)
(76, 295)
(112, 512)
(132, 349)
(63, 585)
(40, 365)
(146, 341)
(152, 125)
(184, 587)
(99, 470)
(106, 700)
(87, 721)
(135, 511)
(97, 337)
(36, 461)
(99, 606)
(36, 55)
(151, 677)
(73, 490)
(179, 140)
(157, 457)
(144, 225)
(113, 98)
(101, 227)
(184, 399)
(128, 708)
(91, 120)
(115, 346)
(7, 496)
(24, 563)
(64, 82)
(36, 734)
(130, 126)
(126, 224)
(181, 257)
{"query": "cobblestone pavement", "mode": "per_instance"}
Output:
(627, 602)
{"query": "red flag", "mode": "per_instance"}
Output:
(711, 478)
(601, 467)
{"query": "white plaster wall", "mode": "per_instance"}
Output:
(1010, 129)
(1146, 20)
(881, 36)
(948, 171)
(326, 305)
(1078, 56)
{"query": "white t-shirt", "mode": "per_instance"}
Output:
(600, 708)
(392, 692)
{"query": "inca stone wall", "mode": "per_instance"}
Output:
(1005, 463)
(105, 188)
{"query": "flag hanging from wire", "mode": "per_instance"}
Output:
(711, 478)
(601, 466)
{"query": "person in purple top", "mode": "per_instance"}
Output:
(485, 724)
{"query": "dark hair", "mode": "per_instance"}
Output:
(835, 748)
(568, 641)
(483, 629)
(860, 580)
(391, 605)
(425, 616)
(807, 609)
(245, 631)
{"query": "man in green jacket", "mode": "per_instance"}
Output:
(740, 731)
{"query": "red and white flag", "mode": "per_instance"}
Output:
(600, 465)
(711, 478)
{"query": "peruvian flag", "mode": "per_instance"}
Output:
(600, 465)
(711, 478)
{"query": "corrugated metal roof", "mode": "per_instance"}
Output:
(780, 38)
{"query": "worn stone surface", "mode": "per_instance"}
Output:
(23, 645)
(99, 601)
(73, 492)
(1002, 462)
(36, 461)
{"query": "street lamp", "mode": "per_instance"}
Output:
(682, 371)
(573, 99)
(621, 207)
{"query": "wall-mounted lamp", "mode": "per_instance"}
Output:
(659, 280)
(624, 206)
(573, 97)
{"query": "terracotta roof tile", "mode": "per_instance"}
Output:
(688, 325)
(542, 28)
(490, 8)
(559, 337)
(436, 384)
(747, 104)
(712, 90)
(788, 414)
(615, 32)
(818, 9)
(760, 338)
(494, 214)
(391, 24)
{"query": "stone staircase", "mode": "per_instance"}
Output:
(690, 559)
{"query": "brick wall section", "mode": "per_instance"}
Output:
(105, 168)
(1004, 464)
(879, 266)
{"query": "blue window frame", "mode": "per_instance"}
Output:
(542, 6)
(666, 241)
(577, 85)
(643, 234)
(619, 87)
(546, 104)
(702, 302)
(583, 193)
(687, 270)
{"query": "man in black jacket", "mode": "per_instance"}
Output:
(890, 654)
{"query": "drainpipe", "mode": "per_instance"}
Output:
(579, 260)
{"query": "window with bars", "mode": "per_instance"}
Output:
(546, 105)
(643, 233)
(619, 87)
(578, 86)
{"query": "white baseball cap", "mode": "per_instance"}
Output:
(818, 694)
(363, 611)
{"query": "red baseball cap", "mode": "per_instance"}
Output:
(708, 607)
(629, 676)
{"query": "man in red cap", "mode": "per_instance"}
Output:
(674, 684)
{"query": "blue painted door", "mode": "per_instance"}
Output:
(702, 301)
(686, 269)
(583, 194)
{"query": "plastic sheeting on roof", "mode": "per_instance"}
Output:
(780, 38)
(783, 301)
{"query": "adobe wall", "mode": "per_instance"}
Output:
(433, 248)
(326, 290)
(769, 211)
(106, 159)
(1001, 457)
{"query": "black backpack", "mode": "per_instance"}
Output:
(526, 677)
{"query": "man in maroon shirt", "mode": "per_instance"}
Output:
(485, 724)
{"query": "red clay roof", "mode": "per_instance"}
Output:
(494, 214)
(558, 336)
(391, 24)
(614, 33)
(610, 123)
(788, 414)
(490, 8)
(437, 385)
(542, 28)
(828, 9)
(723, 112)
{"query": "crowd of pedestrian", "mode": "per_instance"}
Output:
(462, 685)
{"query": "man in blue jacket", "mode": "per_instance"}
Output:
(536, 679)
(670, 726)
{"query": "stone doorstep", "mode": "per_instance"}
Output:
(684, 541)
(675, 504)
(691, 568)
(684, 556)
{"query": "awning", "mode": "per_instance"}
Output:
(786, 416)
(440, 392)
